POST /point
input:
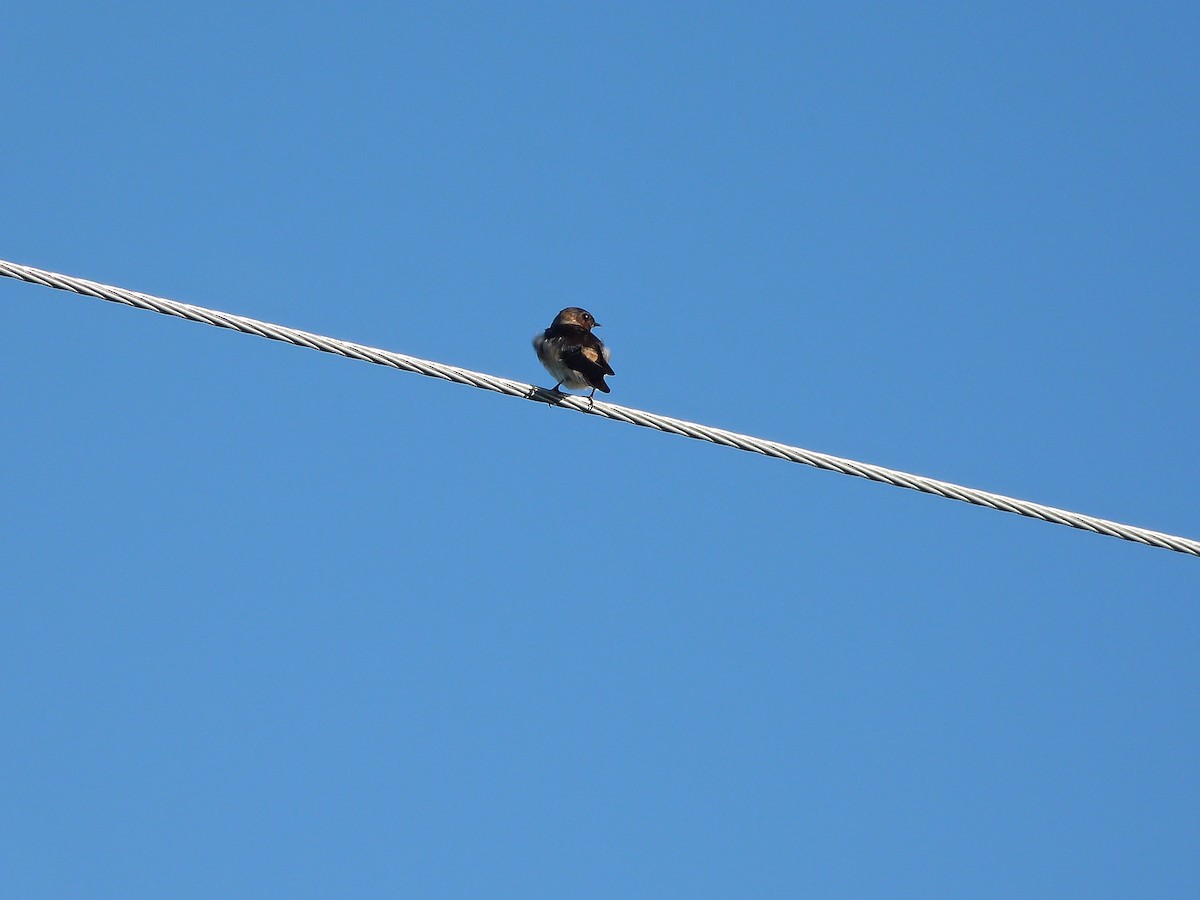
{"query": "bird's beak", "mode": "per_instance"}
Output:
(595, 324)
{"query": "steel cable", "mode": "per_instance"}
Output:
(599, 408)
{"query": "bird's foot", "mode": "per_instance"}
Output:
(551, 396)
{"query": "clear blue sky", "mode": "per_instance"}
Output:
(276, 623)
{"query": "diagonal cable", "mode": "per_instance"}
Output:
(606, 410)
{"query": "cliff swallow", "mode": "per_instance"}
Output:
(572, 354)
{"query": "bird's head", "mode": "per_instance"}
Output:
(573, 315)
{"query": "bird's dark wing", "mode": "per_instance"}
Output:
(588, 361)
(593, 348)
(582, 351)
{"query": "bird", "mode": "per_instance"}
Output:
(572, 354)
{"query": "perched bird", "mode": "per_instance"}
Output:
(572, 354)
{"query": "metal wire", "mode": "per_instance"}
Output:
(599, 408)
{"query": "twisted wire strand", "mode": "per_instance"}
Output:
(599, 408)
